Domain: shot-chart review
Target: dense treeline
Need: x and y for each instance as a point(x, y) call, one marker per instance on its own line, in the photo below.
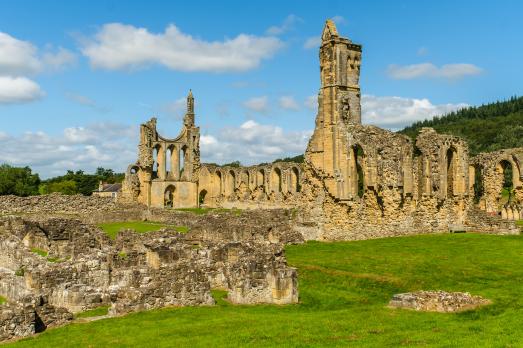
point(488, 127)
point(22, 182)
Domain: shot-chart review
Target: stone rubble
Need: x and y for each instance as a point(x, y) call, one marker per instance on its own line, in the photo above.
point(437, 301)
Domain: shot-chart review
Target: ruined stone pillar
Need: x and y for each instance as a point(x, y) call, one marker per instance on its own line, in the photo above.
point(175, 162)
point(161, 162)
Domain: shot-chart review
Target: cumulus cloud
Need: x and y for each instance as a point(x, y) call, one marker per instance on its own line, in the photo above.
point(119, 46)
point(429, 70)
point(252, 143)
point(257, 104)
point(18, 90)
point(17, 57)
point(288, 103)
point(20, 59)
point(288, 23)
point(397, 112)
point(104, 144)
point(312, 42)
point(311, 102)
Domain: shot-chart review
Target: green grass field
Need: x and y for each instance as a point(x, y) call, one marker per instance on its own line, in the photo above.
point(102, 310)
point(344, 291)
point(2, 300)
point(112, 228)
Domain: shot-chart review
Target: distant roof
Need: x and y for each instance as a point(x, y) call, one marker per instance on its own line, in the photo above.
point(110, 188)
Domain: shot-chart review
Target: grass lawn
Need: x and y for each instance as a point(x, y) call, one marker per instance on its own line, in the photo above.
point(96, 312)
point(519, 223)
point(344, 291)
point(2, 300)
point(112, 228)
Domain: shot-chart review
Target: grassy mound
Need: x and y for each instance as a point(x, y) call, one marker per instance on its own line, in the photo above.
point(344, 291)
point(112, 228)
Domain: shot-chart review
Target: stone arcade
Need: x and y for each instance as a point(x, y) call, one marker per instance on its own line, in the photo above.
point(357, 182)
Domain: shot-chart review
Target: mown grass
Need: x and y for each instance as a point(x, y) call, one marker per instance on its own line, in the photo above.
point(344, 291)
point(519, 223)
point(112, 228)
point(3, 300)
point(96, 312)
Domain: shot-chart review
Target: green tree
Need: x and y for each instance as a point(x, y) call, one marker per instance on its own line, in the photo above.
point(18, 181)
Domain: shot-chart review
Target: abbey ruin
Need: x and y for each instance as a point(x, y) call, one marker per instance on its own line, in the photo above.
point(358, 181)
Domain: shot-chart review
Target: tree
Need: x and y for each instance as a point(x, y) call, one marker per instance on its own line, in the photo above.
point(18, 181)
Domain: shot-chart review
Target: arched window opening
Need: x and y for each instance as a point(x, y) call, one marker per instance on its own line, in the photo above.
point(507, 189)
point(168, 162)
point(451, 171)
point(359, 157)
point(168, 199)
point(133, 170)
point(276, 180)
point(156, 150)
point(231, 183)
point(201, 197)
point(182, 155)
point(295, 180)
point(245, 178)
point(478, 184)
point(260, 178)
point(218, 184)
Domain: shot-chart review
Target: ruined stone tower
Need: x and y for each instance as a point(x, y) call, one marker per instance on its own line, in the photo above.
point(338, 108)
point(340, 61)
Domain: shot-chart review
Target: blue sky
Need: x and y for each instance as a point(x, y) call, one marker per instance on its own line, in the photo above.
point(78, 77)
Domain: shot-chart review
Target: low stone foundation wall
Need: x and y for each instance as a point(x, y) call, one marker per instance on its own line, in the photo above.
point(67, 266)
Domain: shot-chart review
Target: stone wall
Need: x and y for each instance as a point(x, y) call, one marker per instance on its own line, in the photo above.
point(490, 169)
point(267, 186)
point(67, 266)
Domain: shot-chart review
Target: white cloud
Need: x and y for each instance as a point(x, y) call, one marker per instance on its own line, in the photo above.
point(288, 103)
point(339, 19)
point(288, 23)
point(18, 90)
point(311, 102)
point(449, 71)
point(252, 143)
point(257, 104)
point(103, 144)
point(397, 112)
point(59, 60)
point(119, 46)
point(312, 42)
point(17, 57)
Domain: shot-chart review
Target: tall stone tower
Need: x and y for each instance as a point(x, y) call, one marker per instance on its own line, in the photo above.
point(338, 109)
point(340, 61)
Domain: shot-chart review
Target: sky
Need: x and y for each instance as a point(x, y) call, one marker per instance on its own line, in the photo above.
point(78, 77)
